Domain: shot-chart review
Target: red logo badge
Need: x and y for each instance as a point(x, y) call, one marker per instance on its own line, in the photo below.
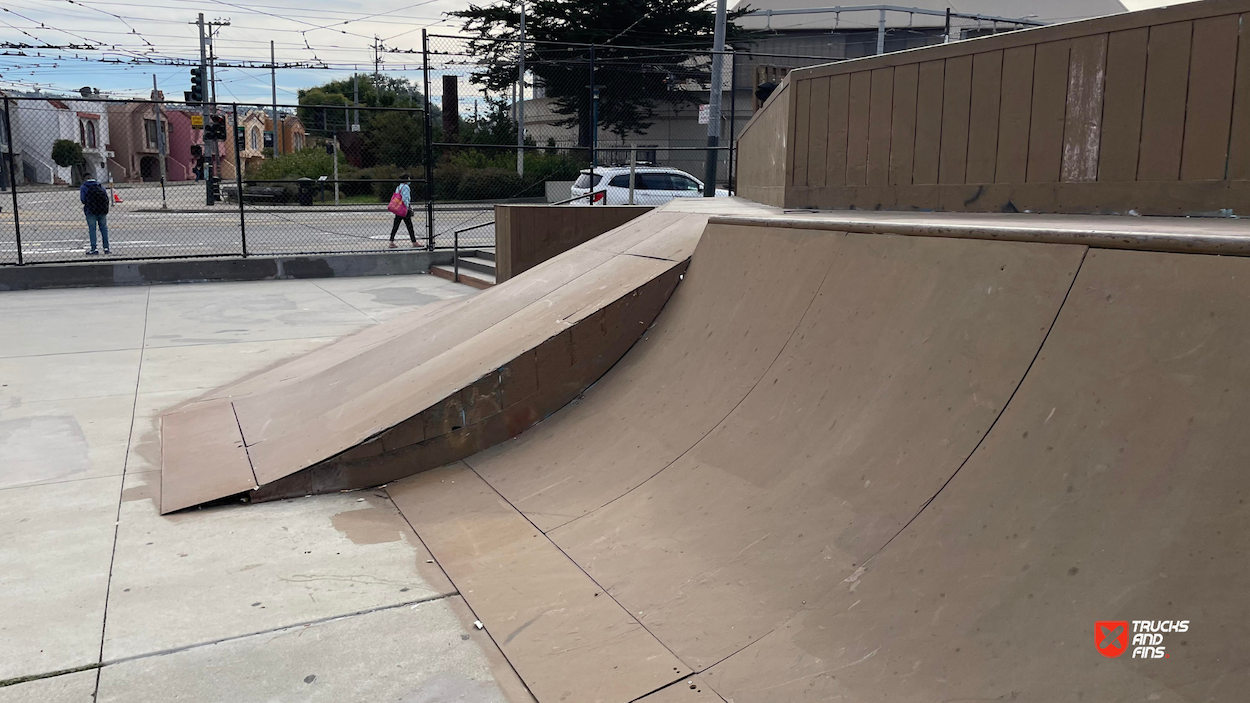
point(1111, 637)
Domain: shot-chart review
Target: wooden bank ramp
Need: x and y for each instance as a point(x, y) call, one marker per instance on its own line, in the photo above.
point(435, 385)
point(852, 465)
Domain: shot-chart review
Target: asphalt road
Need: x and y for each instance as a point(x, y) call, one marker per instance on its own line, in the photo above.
point(53, 227)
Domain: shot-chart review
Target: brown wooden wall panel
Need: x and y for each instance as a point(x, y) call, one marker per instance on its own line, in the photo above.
point(1209, 109)
point(1082, 123)
point(1050, 90)
point(1239, 140)
point(956, 99)
point(928, 122)
point(818, 124)
point(1015, 114)
point(1163, 115)
point(881, 105)
point(839, 114)
point(903, 124)
point(857, 129)
point(802, 131)
point(1122, 105)
point(987, 81)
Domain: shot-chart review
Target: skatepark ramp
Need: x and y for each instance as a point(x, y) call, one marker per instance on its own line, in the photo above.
point(850, 464)
point(436, 385)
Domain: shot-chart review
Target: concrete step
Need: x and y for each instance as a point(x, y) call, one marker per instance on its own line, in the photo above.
point(474, 263)
point(488, 254)
point(475, 279)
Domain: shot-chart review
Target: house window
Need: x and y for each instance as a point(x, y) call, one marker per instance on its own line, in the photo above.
point(87, 133)
point(255, 140)
point(149, 133)
point(299, 140)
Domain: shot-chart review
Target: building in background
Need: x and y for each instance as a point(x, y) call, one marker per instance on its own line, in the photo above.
point(40, 122)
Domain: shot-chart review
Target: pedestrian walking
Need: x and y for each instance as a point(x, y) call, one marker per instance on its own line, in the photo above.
point(95, 205)
point(401, 207)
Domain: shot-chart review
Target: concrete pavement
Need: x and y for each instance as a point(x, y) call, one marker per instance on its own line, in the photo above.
point(326, 598)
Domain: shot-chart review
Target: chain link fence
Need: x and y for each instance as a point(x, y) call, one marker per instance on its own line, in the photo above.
point(611, 124)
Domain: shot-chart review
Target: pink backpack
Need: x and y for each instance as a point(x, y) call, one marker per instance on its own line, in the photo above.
point(397, 205)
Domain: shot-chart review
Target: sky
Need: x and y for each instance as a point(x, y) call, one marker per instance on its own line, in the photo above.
point(335, 35)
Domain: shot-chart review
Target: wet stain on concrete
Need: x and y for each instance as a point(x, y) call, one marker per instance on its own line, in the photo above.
point(449, 686)
point(42, 448)
point(371, 525)
point(401, 295)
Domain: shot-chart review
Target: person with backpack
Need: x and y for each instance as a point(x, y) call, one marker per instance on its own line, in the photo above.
point(95, 205)
point(401, 207)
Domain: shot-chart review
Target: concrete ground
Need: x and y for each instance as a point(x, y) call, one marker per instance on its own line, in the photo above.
point(328, 598)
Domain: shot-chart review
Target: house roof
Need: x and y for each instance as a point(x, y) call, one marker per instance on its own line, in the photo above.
point(58, 104)
point(1049, 12)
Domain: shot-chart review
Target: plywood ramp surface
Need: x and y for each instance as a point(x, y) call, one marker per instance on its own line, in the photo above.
point(383, 403)
point(567, 639)
point(899, 365)
point(1113, 487)
point(741, 301)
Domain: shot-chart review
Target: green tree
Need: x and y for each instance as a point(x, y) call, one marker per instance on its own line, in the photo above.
point(634, 82)
point(385, 91)
point(67, 153)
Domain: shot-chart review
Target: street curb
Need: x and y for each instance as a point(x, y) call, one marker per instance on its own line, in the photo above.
point(142, 273)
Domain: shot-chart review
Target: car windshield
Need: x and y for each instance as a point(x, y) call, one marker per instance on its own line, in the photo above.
point(585, 180)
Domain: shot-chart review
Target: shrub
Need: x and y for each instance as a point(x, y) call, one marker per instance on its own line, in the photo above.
point(66, 153)
point(311, 162)
point(488, 184)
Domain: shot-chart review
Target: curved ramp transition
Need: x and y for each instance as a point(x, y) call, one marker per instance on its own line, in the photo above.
point(874, 467)
point(433, 386)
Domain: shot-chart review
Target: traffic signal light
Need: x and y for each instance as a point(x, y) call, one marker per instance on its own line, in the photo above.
point(240, 142)
point(195, 96)
point(216, 128)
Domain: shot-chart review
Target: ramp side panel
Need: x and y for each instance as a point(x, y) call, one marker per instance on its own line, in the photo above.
point(1114, 487)
point(566, 638)
point(908, 353)
point(742, 298)
point(282, 414)
point(502, 403)
point(337, 414)
point(202, 456)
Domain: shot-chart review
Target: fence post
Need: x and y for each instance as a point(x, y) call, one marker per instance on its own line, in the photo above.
point(429, 144)
point(733, 110)
point(17, 225)
point(238, 179)
point(594, 119)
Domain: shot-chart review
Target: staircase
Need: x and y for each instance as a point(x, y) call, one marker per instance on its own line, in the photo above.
point(477, 268)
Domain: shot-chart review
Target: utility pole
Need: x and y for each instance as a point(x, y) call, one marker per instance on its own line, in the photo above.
point(520, 103)
point(210, 150)
point(273, 83)
point(208, 107)
point(161, 147)
point(356, 100)
point(713, 119)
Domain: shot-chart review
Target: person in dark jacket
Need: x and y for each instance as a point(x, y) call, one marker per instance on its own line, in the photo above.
point(95, 205)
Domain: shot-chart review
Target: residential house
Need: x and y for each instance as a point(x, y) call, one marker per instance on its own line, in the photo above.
point(183, 140)
point(38, 123)
point(135, 146)
point(5, 166)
